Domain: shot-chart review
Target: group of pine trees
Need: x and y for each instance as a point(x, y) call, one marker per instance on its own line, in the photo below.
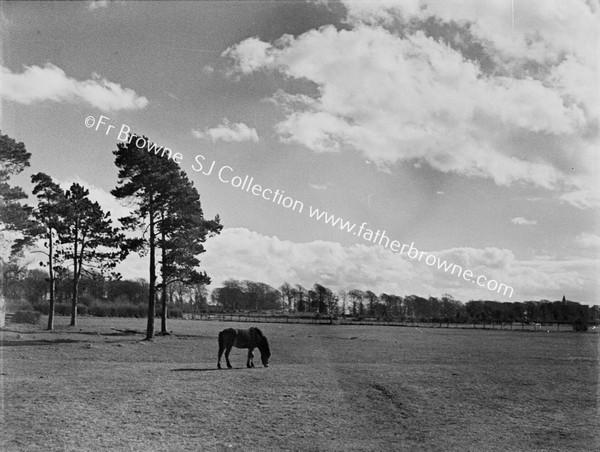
point(167, 224)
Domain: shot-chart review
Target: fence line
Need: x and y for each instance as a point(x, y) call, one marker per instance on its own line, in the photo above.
point(242, 318)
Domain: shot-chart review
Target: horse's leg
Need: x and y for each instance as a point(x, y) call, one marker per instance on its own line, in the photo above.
point(250, 362)
point(221, 349)
point(227, 351)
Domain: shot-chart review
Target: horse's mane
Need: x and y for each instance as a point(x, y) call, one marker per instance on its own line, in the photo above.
point(259, 332)
point(261, 336)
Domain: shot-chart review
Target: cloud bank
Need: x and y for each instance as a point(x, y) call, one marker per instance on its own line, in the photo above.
point(243, 254)
point(451, 84)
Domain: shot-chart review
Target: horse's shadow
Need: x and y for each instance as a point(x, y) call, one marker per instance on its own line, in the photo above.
point(206, 369)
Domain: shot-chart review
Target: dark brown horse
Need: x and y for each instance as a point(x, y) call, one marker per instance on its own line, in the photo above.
point(251, 338)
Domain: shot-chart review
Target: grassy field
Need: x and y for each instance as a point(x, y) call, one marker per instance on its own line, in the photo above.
point(328, 388)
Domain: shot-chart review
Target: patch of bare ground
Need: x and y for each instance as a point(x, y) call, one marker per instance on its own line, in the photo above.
point(100, 387)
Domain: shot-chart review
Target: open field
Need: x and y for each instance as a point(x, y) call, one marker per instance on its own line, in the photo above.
point(93, 388)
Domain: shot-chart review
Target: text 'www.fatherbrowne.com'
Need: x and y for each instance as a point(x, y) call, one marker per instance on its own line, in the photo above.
point(227, 175)
point(380, 238)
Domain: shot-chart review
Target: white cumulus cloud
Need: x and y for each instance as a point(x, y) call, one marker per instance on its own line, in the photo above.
point(227, 131)
point(522, 221)
point(96, 4)
point(588, 240)
point(50, 83)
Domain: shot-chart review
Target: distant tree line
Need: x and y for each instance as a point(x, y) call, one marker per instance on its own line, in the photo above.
point(247, 296)
point(237, 296)
point(27, 289)
point(117, 297)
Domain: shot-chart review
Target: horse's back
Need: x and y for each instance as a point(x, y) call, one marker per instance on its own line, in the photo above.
point(227, 332)
point(239, 338)
point(243, 339)
point(226, 336)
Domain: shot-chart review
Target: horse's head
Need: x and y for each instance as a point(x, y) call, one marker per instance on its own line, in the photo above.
point(264, 356)
point(263, 346)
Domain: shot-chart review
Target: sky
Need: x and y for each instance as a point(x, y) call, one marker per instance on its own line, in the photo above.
point(467, 130)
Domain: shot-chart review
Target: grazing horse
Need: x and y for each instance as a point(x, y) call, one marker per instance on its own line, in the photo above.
point(249, 339)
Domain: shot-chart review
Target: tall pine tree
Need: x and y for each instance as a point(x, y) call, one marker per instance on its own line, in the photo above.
point(182, 232)
point(89, 238)
point(45, 223)
point(167, 213)
point(14, 158)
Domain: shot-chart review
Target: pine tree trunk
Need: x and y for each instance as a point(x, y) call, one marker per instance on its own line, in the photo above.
point(51, 308)
point(152, 288)
point(163, 314)
point(2, 299)
point(74, 301)
point(52, 281)
point(75, 286)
